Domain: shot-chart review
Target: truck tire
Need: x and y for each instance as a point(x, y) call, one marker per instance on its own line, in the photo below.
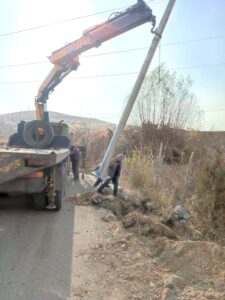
point(38, 134)
point(39, 201)
point(59, 195)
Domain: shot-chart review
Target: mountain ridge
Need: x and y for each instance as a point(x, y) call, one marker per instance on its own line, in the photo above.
point(9, 121)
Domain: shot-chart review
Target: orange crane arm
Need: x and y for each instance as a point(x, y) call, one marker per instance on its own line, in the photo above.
point(66, 58)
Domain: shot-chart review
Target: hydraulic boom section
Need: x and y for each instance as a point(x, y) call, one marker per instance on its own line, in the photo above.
point(117, 24)
point(66, 58)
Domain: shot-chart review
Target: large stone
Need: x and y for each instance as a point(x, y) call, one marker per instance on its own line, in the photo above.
point(174, 281)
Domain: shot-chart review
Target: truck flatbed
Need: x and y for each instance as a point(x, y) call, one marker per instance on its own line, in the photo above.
point(19, 162)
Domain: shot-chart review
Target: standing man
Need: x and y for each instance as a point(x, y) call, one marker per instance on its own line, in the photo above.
point(75, 160)
point(114, 171)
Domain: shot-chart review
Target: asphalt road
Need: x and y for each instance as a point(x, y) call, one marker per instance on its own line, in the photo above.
point(35, 250)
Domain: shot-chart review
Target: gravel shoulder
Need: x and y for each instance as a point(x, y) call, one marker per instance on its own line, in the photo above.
point(90, 232)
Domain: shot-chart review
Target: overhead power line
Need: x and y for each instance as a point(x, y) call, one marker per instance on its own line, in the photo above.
point(114, 74)
point(119, 51)
point(24, 64)
point(57, 23)
point(194, 40)
point(80, 77)
point(63, 21)
point(198, 66)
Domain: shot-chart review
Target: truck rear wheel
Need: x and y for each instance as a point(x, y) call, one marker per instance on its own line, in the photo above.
point(38, 134)
point(39, 201)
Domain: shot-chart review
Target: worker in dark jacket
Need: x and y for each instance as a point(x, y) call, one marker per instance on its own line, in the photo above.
point(114, 171)
point(75, 160)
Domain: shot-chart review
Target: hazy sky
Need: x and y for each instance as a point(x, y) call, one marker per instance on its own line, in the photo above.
point(193, 44)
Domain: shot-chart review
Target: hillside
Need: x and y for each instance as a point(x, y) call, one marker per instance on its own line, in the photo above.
point(198, 141)
point(8, 122)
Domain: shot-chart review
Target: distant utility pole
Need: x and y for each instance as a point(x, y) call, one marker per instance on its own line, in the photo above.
point(137, 86)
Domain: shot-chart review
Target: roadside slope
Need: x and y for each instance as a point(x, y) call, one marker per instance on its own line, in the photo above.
point(114, 263)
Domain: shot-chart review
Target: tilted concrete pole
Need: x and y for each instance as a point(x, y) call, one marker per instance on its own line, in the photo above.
point(101, 172)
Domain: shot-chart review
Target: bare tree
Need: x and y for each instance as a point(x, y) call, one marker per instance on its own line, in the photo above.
point(164, 108)
point(166, 99)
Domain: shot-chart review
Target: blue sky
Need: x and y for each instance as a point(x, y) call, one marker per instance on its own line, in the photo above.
point(193, 44)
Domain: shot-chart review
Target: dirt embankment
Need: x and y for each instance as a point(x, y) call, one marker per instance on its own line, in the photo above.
point(127, 253)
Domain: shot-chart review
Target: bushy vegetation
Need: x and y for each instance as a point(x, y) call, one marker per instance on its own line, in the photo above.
point(167, 185)
point(208, 204)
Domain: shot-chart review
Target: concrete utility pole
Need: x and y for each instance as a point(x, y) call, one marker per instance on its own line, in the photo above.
point(101, 173)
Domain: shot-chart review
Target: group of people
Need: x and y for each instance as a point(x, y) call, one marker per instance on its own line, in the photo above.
point(114, 170)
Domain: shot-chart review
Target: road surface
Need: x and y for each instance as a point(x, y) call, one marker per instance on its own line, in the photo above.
point(35, 250)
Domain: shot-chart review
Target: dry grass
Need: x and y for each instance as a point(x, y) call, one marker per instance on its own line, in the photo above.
point(166, 186)
point(162, 183)
point(208, 204)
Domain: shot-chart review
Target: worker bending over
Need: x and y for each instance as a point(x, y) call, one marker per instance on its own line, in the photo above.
point(114, 171)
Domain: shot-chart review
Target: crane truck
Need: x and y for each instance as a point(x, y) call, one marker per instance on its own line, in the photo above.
point(35, 159)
